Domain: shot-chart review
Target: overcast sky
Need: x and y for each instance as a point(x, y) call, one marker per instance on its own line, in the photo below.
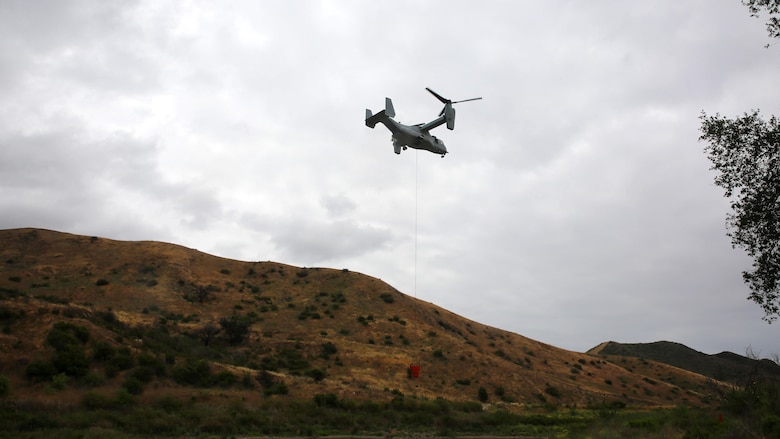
point(576, 205)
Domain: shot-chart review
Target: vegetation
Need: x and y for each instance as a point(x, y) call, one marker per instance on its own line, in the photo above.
point(123, 414)
point(746, 153)
point(772, 8)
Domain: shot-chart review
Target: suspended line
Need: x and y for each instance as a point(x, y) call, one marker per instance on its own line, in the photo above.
point(415, 223)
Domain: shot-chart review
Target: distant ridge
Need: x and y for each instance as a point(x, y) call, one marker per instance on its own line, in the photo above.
point(725, 366)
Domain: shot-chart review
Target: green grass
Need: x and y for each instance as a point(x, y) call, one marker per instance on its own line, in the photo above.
point(121, 415)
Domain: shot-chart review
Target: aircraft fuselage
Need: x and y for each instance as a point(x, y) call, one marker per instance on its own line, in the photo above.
point(413, 136)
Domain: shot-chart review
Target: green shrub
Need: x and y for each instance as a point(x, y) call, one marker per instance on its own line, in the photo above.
point(60, 381)
point(235, 329)
point(552, 391)
point(143, 374)
point(5, 386)
point(102, 351)
point(133, 385)
point(278, 388)
point(327, 349)
point(326, 400)
point(151, 362)
point(316, 374)
point(225, 379)
point(71, 360)
point(93, 379)
point(168, 403)
point(96, 401)
point(123, 359)
point(40, 370)
point(194, 373)
point(63, 334)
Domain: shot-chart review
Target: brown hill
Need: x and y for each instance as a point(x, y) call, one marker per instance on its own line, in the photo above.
point(311, 331)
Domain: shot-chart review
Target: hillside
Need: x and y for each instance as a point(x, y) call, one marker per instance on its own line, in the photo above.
point(310, 331)
point(725, 366)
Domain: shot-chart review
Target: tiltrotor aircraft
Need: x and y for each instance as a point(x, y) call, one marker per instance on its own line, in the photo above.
point(416, 136)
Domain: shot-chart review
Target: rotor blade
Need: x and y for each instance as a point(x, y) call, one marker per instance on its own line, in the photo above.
point(466, 100)
point(438, 96)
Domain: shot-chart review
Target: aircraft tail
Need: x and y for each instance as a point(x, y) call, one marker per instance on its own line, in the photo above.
point(372, 119)
point(389, 110)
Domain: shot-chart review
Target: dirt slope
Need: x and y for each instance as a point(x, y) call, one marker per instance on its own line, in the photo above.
point(360, 332)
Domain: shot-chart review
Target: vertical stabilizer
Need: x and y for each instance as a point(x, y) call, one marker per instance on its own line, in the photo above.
point(389, 110)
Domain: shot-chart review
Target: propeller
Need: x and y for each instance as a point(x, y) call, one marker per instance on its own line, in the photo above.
point(448, 111)
point(446, 101)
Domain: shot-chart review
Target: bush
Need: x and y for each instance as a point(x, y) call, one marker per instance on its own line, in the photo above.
point(327, 349)
point(194, 373)
point(326, 400)
point(143, 374)
point(123, 359)
point(72, 361)
point(316, 374)
point(63, 333)
point(235, 329)
point(59, 381)
point(5, 386)
point(101, 282)
point(102, 351)
point(552, 391)
point(93, 379)
point(168, 403)
point(225, 379)
point(96, 401)
point(149, 361)
point(278, 388)
point(40, 370)
point(70, 358)
point(133, 385)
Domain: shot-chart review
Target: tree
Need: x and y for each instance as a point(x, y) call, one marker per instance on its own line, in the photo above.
point(236, 329)
point(746, 153)
point(772, 7)
point(207, 333)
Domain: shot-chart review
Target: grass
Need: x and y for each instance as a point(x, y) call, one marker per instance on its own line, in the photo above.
point(124, 415)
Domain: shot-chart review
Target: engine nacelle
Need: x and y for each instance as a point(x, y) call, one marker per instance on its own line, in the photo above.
point(449, 116)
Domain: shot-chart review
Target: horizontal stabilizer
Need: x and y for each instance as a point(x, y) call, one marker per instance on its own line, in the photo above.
point(371, 120)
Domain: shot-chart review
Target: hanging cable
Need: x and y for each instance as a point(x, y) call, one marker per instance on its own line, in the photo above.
point(415, 224)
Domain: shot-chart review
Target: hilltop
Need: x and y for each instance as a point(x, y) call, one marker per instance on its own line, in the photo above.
point(270, 330)
point(725, 366)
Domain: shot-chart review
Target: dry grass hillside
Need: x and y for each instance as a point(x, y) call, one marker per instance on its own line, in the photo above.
point(314, 330)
